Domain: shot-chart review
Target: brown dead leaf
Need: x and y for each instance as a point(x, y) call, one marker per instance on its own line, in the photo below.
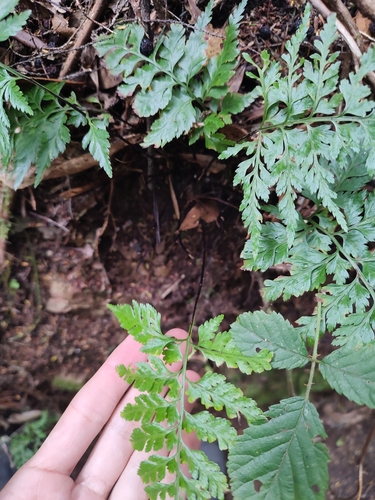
point(215, 42)
point(236, 81)
point(61, 25)
point(207, 210)
point(363, 23)
point(233, 132)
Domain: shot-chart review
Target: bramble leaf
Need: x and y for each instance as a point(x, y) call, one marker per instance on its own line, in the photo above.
point(256, 331)
point(356, 380)
point(274, 454)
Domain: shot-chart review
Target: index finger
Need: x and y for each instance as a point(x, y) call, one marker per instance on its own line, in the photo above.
point(89, 410)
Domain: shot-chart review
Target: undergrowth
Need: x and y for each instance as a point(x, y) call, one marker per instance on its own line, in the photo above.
point(27, 441)
point(314, 149)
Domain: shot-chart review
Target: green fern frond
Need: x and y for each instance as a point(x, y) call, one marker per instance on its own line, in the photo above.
point(162, 419)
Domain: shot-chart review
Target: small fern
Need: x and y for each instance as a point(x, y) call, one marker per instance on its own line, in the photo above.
point(36, 128)
point(178, 82)
point(10, 25)
point(310, 120)
point(151, 409)
point(35, 123)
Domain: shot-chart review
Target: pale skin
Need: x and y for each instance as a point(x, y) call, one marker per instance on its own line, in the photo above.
point(111, 469)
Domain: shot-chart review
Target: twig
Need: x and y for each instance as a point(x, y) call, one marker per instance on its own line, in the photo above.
point(172, 287)
point(360, 463)
point(83, 35)
point(174, 198)
point(100, 231)
point(50, 221)
point(30, 40)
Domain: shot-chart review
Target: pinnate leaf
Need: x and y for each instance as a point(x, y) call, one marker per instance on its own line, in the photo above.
point(143, 322)
point(207, 476)
point(178, 118)
point(151, 377)
point(147, 406)
point(97, 142)
point(210, 428)
point(222, 349)
point(153, 436)
point(11, 25)
point(155, 467)
point(274, 454)
point(214, 392)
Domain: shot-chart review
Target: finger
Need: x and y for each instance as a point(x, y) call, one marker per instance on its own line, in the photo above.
point(87, 413)
point(130, 482)
point(113, 448)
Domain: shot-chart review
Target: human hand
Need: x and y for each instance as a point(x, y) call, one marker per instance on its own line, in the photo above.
point(110, 472)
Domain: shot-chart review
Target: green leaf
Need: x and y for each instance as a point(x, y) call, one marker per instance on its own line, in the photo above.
point(155, 468)
point(222, 349)
point(149, 101)
point(206, 475)
point(97, 141)
point(147, 406)
point(214, 392)
point(178, 118)
point(195, 50)
point(275, 453)
point(153, 436)
point(143, 322)
point(210, 428)
point(151, 377)
point(346, 375)
point(161, 491)
point(40, 140)
point(11, 25)
point(256, 331)
point(9, 93)
point(272, 248)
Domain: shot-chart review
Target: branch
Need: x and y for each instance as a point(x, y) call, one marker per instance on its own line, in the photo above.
point(82, 37)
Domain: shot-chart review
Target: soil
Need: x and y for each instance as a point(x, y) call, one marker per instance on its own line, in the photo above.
point(80, 242)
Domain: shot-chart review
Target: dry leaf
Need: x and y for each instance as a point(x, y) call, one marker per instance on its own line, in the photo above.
point(207, 210)
point(215, 42)
point(234, 132)
point(236, 81)
point(363, 23)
